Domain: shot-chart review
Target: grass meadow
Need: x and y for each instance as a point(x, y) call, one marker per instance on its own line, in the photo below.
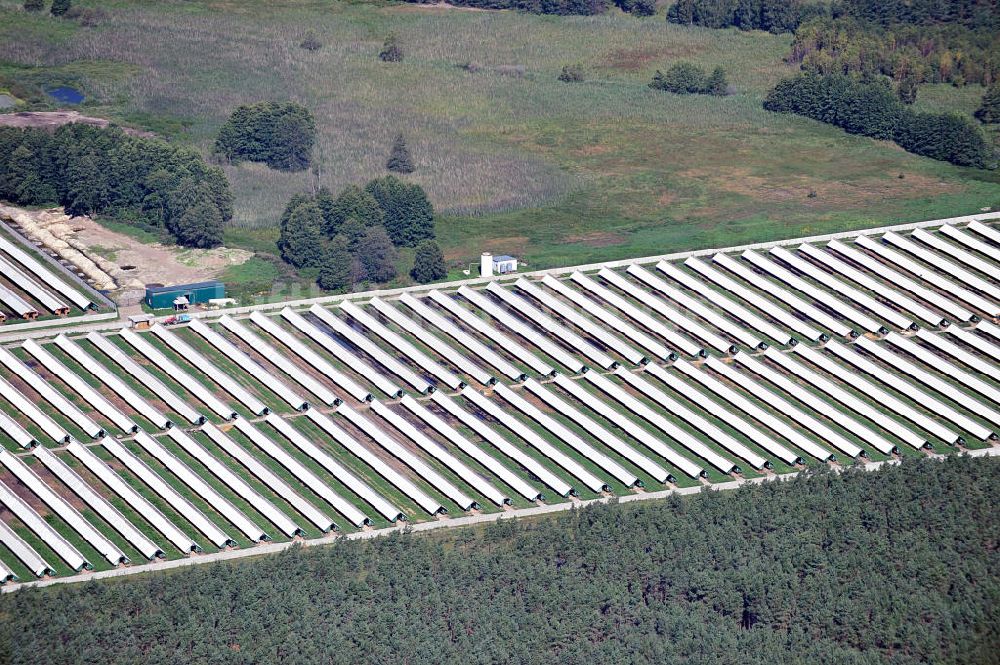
point(514, 160)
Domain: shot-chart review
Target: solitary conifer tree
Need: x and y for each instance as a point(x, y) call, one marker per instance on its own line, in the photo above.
point(428, 263)
point(989, 111)
point(399, 157)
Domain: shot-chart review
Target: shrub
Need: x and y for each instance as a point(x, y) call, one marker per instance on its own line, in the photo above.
point(391, 50)
point(685, 78)
point(60, 7)
point(571, 73)
point(311, 42)
point(34, 5)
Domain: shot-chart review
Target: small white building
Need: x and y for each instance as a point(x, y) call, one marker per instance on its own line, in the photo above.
point(490, 265)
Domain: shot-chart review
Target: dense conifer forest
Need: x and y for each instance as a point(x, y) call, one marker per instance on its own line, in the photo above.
point(140, 181)
point(896, 566)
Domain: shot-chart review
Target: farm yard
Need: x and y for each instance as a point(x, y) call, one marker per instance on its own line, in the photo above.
point(513, 159)
point(724, 389)
point(357, 414)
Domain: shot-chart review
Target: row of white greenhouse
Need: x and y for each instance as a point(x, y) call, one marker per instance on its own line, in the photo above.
point(28, 282)
point(242, 429)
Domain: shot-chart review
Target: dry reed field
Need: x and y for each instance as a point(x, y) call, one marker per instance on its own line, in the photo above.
point(515, 160)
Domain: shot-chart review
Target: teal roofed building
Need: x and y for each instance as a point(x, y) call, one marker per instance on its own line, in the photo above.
point(174, 297)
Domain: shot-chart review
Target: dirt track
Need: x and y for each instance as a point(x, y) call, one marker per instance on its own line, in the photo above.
point(53, 119)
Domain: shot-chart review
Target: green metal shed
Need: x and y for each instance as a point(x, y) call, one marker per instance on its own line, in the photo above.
point(163, 297)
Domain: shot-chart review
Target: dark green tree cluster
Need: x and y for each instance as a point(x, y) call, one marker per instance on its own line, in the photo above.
point(278, 134)
point(969, 13)
point(891, 567)
point(637, 7)
point(140, 181)
point(685, 78)
point(786, 15)
point(558, 7)
point(352, 237)
point(871, 108)
point(924, 54)
point(772, 15)
point(34, 5)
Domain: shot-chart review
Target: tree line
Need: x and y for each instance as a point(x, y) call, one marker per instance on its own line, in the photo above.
point(352, 237)
point(869, 107)
point(560, 7)
point(912, 53)
point(787, 15)
point(140, 181)
point(890, 567)
point(920, 41)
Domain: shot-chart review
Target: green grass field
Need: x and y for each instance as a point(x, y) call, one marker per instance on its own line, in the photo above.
point(514, 160)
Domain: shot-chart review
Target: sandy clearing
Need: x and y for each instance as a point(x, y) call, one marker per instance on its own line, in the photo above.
point(53, 119)
point(121, 262)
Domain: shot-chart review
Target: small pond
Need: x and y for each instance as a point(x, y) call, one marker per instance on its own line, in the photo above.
point(66, 95)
